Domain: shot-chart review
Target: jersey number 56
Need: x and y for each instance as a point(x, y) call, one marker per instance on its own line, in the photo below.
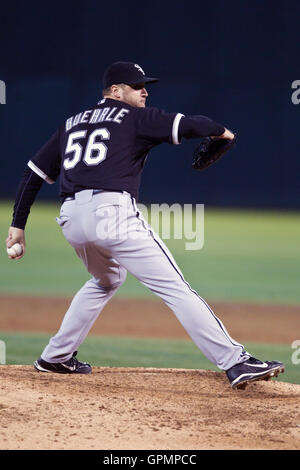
point(95, 152)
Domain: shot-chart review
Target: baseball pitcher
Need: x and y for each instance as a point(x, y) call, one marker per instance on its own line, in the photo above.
point(98, 156)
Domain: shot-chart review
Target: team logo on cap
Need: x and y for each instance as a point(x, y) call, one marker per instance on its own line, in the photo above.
point(139, 69)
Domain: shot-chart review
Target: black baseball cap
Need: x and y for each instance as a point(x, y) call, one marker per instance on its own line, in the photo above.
point(125, 72)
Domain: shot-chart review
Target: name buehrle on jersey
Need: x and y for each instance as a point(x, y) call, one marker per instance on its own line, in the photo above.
point(94, 116)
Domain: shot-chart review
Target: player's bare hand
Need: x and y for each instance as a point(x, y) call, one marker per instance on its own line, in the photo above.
point(16, 235)
point(227, 135)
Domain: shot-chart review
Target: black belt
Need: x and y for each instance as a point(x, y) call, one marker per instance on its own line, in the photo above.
point(71, 197)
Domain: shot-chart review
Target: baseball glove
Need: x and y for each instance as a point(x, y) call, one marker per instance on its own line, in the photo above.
point(210, 150)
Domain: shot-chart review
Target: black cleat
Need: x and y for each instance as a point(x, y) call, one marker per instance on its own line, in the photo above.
point(72, 366)
point(252, 370)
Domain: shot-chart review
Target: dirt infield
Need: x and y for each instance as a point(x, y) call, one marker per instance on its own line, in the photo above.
point(123, 408)
point(152, 318)
point(116, 408)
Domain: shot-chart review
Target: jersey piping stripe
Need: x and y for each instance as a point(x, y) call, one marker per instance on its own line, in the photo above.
point(39, 172)
point(175, 128)
point(138, 215)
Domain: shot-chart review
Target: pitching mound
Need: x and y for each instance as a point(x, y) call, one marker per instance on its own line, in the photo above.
point(121, 408)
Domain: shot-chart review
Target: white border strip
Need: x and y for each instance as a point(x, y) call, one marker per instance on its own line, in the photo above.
point(175, 128)
point(39, 172)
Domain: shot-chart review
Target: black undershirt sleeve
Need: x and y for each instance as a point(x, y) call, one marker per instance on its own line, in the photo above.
point(191, 127)
point(28, 189)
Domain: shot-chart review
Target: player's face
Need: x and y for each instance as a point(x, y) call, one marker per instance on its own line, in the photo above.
point(135, 95)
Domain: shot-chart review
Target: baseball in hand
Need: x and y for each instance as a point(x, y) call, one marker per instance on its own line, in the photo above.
point(15, 250)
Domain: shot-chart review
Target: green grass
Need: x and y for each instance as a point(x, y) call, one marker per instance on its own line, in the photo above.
point(247, 256)
point(24, 348)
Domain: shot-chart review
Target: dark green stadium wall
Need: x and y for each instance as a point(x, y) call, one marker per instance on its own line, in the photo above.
point(234, 61)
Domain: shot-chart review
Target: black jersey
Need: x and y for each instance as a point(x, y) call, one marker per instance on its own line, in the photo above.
point(104, 147)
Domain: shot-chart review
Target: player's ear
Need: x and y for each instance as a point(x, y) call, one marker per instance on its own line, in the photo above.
point(116, 91)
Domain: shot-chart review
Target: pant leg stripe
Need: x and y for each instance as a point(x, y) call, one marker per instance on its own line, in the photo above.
point(138, 215)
